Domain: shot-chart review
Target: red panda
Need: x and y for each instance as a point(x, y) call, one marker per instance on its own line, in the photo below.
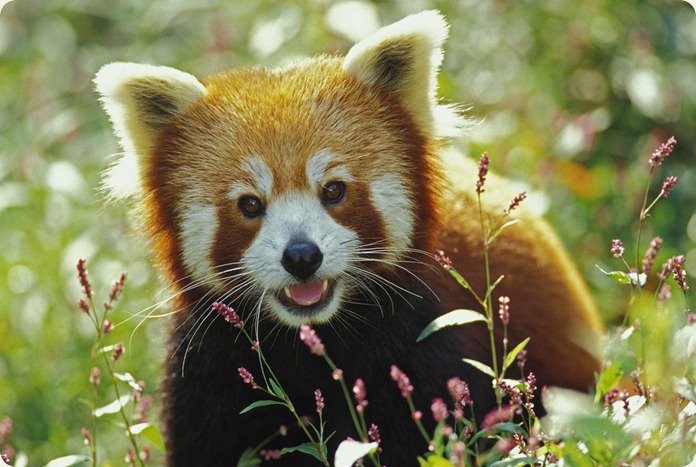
point(312, 194)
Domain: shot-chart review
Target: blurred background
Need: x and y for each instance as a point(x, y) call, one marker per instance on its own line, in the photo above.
point(570, 96)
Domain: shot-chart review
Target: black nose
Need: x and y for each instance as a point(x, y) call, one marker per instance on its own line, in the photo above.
point(302, 258)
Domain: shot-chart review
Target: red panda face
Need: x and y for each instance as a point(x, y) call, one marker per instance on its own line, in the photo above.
point(291, 190)
point(294, 209)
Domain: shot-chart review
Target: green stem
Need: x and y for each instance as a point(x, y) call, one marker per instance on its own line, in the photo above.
point(349, 401)
point(93, 443)
point(420, 426)
point(643, 214)
point(488, 306)
point(359, 422)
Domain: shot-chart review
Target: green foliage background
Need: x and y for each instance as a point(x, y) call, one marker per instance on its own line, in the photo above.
point(571, 96)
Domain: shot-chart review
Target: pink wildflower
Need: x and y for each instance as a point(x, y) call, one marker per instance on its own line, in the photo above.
point(130, 456)
point(87, 437)
point(668, 185)
point(660, 154)
point(617, 248)
point(439, 409)
point(651, 254)
point(402, 381)
point(95, 376)
point(373, 433)
point(482, 172)
point(6, 426)
point(229, 314)
point(441, 258)
point(505, 445)
point(138, 391)
point(360, 395)
point(270, 454)
point(84, 280)
point(319, 399)
point(311, 340)
point(496, 416)
point(460, 392)
point(504, 310)
point(83, 305)
point(417, 416)
point(117, 288)
point(247, 377)
point(145, 454)
point(664, 295)
point(515, 202)
point(144, 408)
point(669, 265)
point(680, 276)
point(522, 359)
point(118, 351)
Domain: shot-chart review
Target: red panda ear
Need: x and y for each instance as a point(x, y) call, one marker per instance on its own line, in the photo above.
point(405, 58)
point(141, 100)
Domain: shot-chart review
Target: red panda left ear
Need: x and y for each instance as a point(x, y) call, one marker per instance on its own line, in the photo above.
point(404, 58)
point(141, 100)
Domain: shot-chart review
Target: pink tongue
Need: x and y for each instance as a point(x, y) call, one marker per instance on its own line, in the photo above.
point(307, 293)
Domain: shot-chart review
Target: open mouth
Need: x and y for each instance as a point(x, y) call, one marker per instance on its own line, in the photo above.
point(306, 296)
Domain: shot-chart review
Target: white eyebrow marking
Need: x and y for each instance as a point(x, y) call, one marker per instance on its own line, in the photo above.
point(318, 172)
point(262, 179)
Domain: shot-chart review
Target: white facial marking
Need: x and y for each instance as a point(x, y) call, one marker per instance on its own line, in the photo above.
point(318, 171)
point(292, 216)
point(262, 180)
point(397, 210)
point(199, 223)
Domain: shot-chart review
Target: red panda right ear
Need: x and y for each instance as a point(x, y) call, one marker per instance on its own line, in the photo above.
point(404, 58)
point(140, 101)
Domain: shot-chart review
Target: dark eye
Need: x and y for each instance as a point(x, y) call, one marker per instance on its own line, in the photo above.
point(333, 192)
point(251, 206)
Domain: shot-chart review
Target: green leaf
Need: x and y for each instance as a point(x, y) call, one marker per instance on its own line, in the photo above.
point(508, 427)
point(276, 389)
point(510, 359)
point(306, 448)
point(624, 278)
point(262, 403)
point(70, 461)
point(249, 458)
point(114, 407)
point(482, 367)
point(434, 460)
point(460, 279)
point(501, 229)
point(151, 433)
point(523, 460)
point(608, 379)
point(453, 318)
point(601, 434)
point(492, 287)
